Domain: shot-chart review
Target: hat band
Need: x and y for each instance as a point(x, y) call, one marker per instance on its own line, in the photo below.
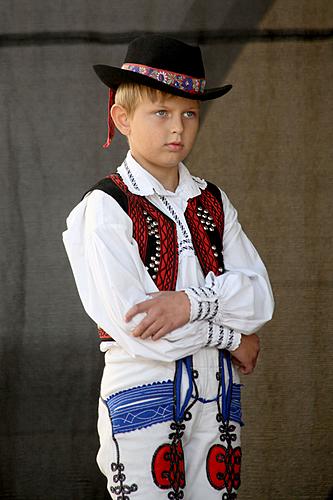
point(177, 80)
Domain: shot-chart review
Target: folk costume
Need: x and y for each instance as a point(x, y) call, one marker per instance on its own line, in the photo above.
point(169, 413)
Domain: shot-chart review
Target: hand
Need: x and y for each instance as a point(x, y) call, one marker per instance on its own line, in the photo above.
point(166, 311)
point(246, 355)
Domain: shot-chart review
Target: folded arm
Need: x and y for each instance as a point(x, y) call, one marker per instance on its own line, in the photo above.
point(241, 298)
point(111, 279)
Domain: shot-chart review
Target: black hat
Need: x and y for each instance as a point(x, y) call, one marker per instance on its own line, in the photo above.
point(162, 63)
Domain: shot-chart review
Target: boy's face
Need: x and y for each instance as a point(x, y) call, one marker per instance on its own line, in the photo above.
point(162, 133)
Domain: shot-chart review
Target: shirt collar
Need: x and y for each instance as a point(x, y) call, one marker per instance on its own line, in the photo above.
point(140, 181)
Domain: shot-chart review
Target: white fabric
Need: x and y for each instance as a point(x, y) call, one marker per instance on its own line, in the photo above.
point(136, 448)
point(111, 277)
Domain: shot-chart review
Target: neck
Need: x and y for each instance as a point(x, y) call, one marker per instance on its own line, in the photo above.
point(167, 176)
point(169, 180)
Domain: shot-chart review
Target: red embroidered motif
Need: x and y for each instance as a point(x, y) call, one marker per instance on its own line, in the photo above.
point(210, 259)
point(103, 335)
point(166, 275)
point(168, 466)
point(223, 467)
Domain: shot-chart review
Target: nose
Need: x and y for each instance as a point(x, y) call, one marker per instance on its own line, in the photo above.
point(177, 124)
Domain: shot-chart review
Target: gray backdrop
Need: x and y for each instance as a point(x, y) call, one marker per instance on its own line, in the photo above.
point(268, 144)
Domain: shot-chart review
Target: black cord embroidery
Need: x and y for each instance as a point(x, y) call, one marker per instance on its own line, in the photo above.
point(223, 461)
point(168, 463)
point(122, 490)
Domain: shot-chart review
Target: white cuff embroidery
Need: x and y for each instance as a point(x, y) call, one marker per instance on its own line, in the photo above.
point(222, 337)
point(204, 303)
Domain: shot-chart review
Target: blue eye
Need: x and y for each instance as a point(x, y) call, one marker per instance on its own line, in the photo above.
point(190, 114)
point(161, 112)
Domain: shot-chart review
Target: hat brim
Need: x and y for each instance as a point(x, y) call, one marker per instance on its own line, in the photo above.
point(112, 77)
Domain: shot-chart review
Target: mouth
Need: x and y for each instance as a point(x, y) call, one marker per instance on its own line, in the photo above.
point(175, 146)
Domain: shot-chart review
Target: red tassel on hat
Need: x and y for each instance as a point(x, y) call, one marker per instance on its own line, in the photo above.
point(111, 127)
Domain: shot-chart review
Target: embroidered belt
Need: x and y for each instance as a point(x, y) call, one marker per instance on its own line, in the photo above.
point(140, 407)
point(146, 405)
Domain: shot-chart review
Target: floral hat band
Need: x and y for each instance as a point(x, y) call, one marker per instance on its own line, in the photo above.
point(178, 80)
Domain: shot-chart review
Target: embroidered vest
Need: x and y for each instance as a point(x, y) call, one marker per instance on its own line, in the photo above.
point(156, 233)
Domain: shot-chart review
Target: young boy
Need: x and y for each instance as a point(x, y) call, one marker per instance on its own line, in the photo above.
point(173, 283)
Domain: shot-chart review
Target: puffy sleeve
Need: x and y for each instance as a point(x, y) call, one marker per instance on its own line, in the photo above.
point(111, 277)
point(242, 297)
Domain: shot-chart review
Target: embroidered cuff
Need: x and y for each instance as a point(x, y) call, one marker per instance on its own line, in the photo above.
point(204, 303)
point(222, 337)
point(234, 340)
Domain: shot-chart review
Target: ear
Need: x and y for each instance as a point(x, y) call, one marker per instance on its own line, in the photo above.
point(121, 119)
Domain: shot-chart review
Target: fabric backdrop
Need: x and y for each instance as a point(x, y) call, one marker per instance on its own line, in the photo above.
point(268, 144)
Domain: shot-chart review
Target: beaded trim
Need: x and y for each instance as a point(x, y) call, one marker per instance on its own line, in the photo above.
point(178, 80)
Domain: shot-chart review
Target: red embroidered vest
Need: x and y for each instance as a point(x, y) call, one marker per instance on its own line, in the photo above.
point(156, 233)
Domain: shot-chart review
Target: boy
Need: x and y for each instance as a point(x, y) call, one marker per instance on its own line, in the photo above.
point(164, 269)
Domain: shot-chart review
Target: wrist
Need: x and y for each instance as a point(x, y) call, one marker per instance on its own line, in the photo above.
point(186, 303)
point(234, 341)
point(203, 303)
point(222, 337)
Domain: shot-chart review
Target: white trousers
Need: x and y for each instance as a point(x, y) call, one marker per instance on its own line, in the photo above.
point(167, 430)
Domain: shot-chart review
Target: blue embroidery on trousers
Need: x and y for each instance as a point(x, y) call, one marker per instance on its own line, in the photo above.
point(146, 405)
point(140, 407)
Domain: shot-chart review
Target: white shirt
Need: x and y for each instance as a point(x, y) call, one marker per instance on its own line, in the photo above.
point(111, 277)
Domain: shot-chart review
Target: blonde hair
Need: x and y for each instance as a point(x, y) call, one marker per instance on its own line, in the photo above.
point(129, 95)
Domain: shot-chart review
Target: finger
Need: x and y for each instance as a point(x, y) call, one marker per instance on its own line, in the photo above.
point(247, 369)
point(151, 331)
point(142, 326)
point(236, 362)
point(136, 309)
point(161, 333)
